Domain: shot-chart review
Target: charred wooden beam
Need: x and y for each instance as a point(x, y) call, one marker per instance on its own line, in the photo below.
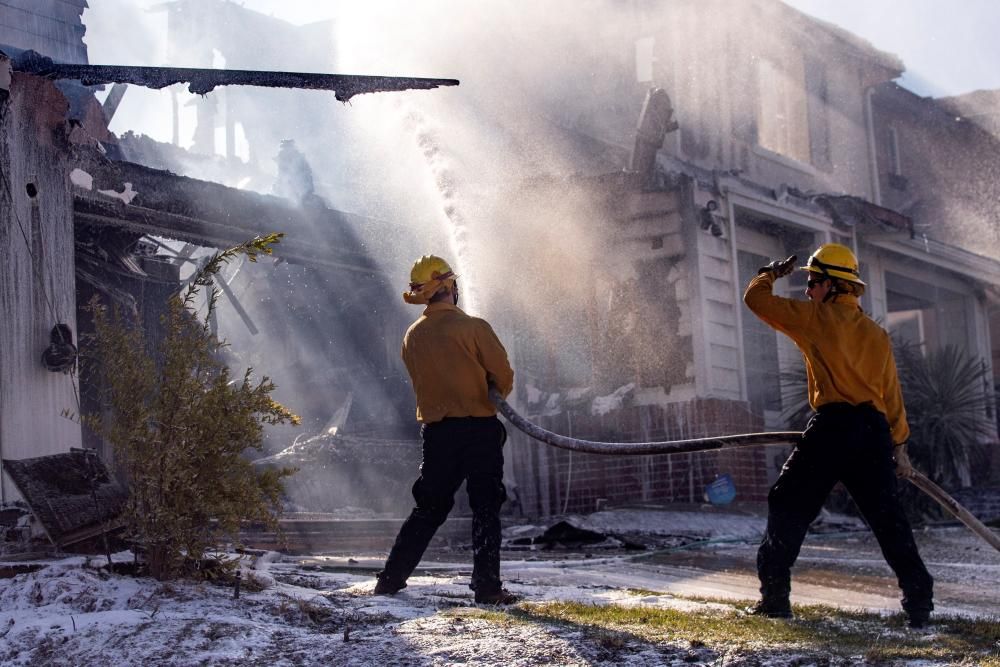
point(189, 197)
point(656, 120)
point(848, 211)
point(102, 211)
point(201, 81)
point(112, 101)
point(211, 214)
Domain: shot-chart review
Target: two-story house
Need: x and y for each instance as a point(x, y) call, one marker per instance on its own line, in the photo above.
point(780, 148)
point(612, 266)
point(79, 217)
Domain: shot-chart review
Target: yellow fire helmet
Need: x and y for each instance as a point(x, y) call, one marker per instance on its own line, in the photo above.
point(429, 274)
point(834, 260)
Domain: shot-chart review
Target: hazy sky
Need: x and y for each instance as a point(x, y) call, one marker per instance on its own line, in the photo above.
point(948, 46)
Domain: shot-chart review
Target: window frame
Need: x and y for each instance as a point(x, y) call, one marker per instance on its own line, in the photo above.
point(782, 113)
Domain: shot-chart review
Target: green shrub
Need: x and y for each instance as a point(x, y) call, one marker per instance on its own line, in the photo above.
point(179, 424)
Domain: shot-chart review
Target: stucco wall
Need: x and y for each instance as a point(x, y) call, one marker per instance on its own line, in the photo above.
point(36, 274)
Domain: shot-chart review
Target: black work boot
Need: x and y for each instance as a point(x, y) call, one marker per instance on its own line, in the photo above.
point(385, 587)
point(918, 618)
point(498, 597)
point(918, 612)
point(771, 608)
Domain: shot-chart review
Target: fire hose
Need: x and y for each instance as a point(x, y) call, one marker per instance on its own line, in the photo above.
point(688, 445)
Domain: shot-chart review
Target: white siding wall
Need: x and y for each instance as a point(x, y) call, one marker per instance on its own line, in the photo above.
point(34, 284)
point(718, 317)
point(52, 27)
point(875, 292)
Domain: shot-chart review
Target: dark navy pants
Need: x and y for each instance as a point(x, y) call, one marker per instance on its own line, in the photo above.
point(850, 444)
point(468, 449)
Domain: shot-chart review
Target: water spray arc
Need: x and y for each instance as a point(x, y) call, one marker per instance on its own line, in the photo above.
point(536, 432)
point(444, 181)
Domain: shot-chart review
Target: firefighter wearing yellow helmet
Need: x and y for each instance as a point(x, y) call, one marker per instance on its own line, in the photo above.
point(452, 359)
point(837, 263)
point(857, 435)
point(429, 275)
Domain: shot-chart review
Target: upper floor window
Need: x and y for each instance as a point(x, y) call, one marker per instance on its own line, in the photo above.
point(894, 160)
point(782, 114)
point(892, 148)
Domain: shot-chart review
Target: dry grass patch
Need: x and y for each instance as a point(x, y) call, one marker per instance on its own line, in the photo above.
point(815, 629)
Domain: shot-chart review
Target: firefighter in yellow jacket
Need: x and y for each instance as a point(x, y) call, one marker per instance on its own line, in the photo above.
point(452, 359)
point(857, 435)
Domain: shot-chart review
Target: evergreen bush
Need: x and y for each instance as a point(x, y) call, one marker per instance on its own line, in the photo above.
point(180, 423)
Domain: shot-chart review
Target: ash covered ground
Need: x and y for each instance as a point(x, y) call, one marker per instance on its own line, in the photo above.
point(318, 609)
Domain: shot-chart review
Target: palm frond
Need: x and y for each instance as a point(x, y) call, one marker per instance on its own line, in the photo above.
point(795, 408)
point(947, 399)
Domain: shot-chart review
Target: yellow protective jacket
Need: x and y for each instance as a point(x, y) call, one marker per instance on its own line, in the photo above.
point(451, 358)
point(848, 356)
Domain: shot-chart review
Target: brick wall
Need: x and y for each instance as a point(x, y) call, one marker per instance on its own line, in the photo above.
point(983, 502)
point(553, 481)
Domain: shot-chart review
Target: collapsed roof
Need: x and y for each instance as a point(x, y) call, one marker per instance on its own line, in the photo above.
point(72, 494)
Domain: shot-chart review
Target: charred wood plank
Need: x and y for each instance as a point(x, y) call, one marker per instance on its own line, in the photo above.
point(201, 81)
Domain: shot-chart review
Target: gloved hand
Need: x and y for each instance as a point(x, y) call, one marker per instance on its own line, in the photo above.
point(780, 267)
point(904, 469)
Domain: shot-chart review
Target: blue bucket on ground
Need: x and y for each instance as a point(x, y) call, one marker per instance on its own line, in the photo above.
point(722, 491)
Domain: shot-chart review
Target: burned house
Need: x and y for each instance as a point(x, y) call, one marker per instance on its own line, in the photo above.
point(80, 219)
point(781, 145)
point(611, 260)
